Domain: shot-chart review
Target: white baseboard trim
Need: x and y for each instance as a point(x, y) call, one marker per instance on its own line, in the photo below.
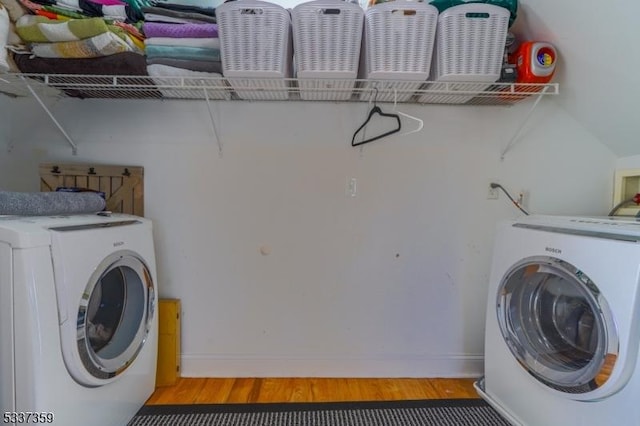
point(446, 365)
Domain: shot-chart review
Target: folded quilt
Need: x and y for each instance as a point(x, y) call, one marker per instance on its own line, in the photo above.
point(41, 29)
point(38, 29)
point(209, 43)
point(190, 91)
point(180, 52)
point(101, 45)
point(159, 29)
point(204, 66)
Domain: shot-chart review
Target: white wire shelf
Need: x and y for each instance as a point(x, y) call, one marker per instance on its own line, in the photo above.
point(212, 88)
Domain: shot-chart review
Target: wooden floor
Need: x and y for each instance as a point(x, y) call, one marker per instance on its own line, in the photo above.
point(244, 390)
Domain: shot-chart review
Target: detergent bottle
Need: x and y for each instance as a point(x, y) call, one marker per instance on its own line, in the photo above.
point(535, 62)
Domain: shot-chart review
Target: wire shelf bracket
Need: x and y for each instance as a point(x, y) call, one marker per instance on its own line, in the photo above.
point(213, 122)
point(526, 118)
point(74, 146)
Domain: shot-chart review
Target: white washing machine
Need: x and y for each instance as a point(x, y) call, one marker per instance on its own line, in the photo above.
point(563, 322)
point(77, 324)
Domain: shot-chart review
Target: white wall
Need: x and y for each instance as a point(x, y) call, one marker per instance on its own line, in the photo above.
point(631, 162)
point(388, 283)
point(599, 55)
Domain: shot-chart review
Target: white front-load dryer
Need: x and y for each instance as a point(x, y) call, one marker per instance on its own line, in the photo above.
point(563, 322)
point(77, 319)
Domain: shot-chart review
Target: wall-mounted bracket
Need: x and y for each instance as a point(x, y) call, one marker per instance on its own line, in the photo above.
point(213, 122)
point(516, 135)
point(74, 147)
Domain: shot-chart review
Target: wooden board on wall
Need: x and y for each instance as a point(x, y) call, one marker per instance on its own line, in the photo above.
point(123, 185)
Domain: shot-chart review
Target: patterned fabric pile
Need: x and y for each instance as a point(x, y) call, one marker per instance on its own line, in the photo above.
point(74, 38)
point(110, 37)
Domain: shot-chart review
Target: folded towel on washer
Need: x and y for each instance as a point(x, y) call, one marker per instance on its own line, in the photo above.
point(50, 203)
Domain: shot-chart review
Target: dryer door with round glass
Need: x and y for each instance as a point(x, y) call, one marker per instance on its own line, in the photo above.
point(557, 324)
point(114, 316)
point(104, 271)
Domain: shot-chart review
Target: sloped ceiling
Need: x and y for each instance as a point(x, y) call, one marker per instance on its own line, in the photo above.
point(598, 70)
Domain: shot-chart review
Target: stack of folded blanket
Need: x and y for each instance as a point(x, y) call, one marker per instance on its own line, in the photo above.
point(182, 41)
point(182, 34)
point(57, 36)
point(189, 46)
point(180, 11)
point(81, 46)
point(165, 40)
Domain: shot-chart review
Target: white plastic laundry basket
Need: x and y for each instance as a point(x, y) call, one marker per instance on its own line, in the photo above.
point(470, 43)
point(398, 45)
point(326, 37)
point(256, 43)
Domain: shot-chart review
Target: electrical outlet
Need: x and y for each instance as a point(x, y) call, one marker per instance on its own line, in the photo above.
point(493, 193)
point(352, 187)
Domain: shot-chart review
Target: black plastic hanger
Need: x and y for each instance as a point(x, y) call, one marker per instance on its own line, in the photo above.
point(376, 110)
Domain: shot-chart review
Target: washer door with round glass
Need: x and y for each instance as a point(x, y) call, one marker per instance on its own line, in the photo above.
point(558, 325)
point(114, 317)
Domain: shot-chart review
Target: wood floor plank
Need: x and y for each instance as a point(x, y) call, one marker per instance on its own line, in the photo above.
point(300, 390)
point(185, 391)
point(274, 390)
point(247, 390)
point(215, 391)
point(454, 388)
point(325, 389)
